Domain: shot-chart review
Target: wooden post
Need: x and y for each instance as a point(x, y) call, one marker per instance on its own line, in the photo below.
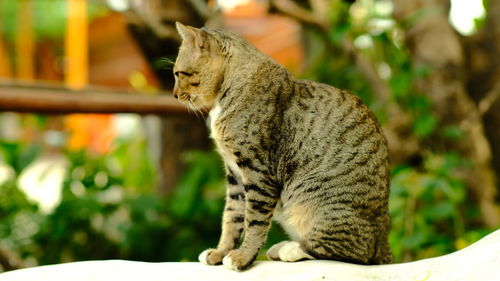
point(5, 69)
point(25, 43)
point(76, 45)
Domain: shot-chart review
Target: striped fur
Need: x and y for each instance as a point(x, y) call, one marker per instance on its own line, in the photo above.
point(310, 155)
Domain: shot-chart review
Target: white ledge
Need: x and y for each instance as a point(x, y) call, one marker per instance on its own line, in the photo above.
point(480, 261)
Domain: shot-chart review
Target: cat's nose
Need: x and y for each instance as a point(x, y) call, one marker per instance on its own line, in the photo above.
point(174, 91)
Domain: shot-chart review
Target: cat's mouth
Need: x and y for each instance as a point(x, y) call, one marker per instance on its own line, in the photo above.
point(186, 97)
point(194, 102)
point(191, 101)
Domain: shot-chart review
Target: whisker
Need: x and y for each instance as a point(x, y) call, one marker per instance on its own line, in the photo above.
point(195, 110)
point(190, 110)
point(200, 112)
point(190, 107)
point(204, 110)
point(164, 63)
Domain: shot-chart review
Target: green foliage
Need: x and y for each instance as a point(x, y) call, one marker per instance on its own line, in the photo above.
point(429, 209)
point(110, 208)
point(18, 218)
point(19, 155)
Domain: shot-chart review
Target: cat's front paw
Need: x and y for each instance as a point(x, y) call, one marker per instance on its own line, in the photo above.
point(211, 257)
point(238, 260)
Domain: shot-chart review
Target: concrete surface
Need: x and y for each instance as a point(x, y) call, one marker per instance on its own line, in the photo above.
point(480, 261)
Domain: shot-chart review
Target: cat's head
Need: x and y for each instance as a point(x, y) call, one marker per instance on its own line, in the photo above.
point(198, 69)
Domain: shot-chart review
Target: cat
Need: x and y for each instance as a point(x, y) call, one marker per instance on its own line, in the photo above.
point(309, 155)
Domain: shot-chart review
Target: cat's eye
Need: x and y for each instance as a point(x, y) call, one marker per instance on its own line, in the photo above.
point(177, 73)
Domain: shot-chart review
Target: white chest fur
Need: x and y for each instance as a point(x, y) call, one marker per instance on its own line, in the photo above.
point(227, 156)
point(214, 115)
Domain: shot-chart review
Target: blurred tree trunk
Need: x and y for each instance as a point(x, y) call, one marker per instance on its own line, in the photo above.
point(152, 24)
point(483, 69)
point(434, 44)
point(9, 260)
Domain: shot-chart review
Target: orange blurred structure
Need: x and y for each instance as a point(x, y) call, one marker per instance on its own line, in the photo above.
point(275, 35)
point(90, 131)
point(114, 55)
point(76, 45)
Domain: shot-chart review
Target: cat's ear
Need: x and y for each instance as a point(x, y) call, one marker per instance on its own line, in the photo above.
point(196, 36)
point(186, 33)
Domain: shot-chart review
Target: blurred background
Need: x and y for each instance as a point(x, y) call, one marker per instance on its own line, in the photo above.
point(98, 161)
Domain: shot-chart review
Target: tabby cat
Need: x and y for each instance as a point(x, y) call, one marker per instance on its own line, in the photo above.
point(309, 155)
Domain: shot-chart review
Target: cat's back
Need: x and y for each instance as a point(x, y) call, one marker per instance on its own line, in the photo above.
point(319, 109)
point(331, 130)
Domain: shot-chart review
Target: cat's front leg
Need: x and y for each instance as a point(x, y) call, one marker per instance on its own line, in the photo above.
point(260, 203)
point(232, 223)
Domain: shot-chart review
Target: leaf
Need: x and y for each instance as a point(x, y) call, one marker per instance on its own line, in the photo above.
point(338, 32)
point(439, 211)
point(425, 125)
point(400, 84)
